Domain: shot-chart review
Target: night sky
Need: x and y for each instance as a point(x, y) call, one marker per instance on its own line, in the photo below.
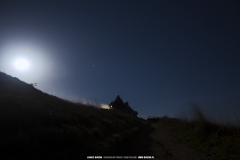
point(158, 55)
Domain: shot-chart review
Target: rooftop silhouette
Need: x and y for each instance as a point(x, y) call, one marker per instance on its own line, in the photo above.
point(118, 104)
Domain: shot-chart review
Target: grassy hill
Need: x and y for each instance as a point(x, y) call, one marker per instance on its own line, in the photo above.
point(36, 125)
point(218, 140)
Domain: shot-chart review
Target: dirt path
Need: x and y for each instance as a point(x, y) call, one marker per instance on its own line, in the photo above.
point(154, 141)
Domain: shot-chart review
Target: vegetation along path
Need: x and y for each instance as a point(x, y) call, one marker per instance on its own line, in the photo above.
point(155, 141)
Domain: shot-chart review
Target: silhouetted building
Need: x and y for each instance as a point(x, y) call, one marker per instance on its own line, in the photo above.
point(119, 105)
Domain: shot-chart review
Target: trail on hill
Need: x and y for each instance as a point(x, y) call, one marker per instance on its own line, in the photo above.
point(155, 141)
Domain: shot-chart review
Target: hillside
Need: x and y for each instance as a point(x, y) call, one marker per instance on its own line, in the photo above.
point(36, 125)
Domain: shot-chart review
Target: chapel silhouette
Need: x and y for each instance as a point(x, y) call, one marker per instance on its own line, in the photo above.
point(118, 104)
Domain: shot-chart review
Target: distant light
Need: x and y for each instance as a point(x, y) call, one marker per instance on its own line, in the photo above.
point(111, 106)
point(104, 106)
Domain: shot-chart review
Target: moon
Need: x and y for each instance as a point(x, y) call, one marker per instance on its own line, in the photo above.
point(21, 64)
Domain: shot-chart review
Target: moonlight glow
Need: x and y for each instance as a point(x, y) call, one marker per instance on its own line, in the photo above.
point(21, 64)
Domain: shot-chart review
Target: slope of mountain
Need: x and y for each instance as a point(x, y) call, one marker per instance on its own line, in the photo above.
point(35, 125)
